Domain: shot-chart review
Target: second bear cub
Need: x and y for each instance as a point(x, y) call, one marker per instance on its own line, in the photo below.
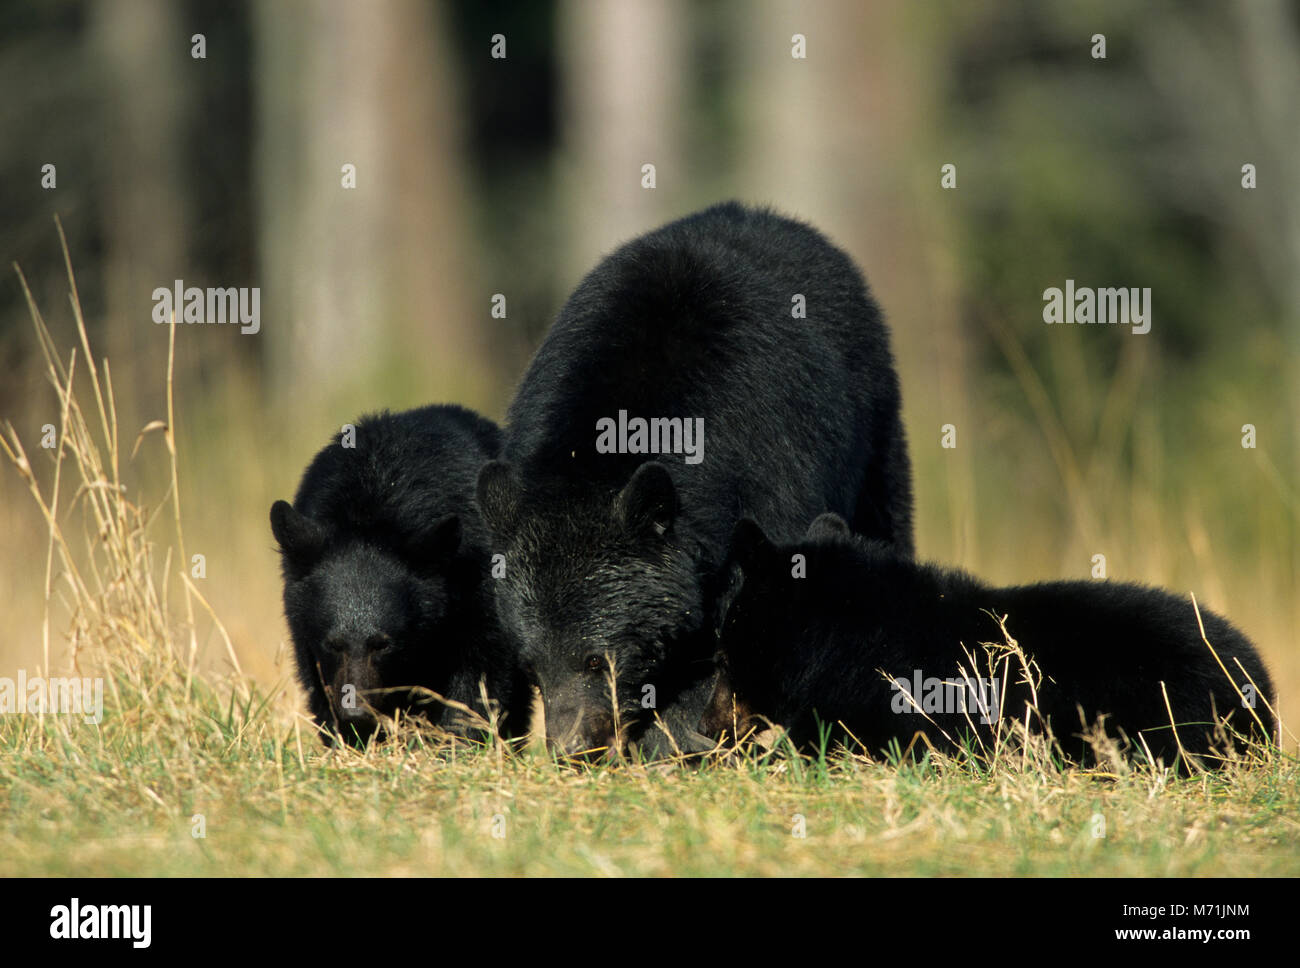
point(385, 567)
point(839, 629)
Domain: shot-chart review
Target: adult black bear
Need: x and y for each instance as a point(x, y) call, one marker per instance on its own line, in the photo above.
point(385, 568)
point(731, 363)
point(811, 638)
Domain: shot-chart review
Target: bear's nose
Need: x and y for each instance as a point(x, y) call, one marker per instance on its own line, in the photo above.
point(356, 715)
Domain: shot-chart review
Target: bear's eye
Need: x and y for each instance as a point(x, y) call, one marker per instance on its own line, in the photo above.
point(594, 663)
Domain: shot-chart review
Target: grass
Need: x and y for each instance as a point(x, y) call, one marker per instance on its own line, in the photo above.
point(184, 751)
point(125, 807)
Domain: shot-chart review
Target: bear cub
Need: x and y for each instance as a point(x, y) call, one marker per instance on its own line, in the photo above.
point(385, 567)
point(866, 637)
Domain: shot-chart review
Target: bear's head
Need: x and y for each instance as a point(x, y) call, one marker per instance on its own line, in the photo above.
point(600, 588)
point(369, 619)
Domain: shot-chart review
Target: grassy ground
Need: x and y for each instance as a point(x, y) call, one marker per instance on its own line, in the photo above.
point(194, 773)
point(128, 801)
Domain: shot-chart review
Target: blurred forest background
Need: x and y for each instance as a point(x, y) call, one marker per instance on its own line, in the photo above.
point(478, 175)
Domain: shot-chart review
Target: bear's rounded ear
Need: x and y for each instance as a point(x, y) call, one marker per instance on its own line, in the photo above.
point(300, 538)
point(648, 501)
point(498, 496)
point(748, 544)
point(828, 526)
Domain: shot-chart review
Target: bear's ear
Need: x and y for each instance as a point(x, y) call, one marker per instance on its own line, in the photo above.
point(648, 500)
point(498, 496)
point(828, 526)
point(300, 538)
point(437, 543)
point(749, 544)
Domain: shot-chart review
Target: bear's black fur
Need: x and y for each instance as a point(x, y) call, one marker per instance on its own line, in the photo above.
point(796, 650)
point(385, 566)
point(616, 557)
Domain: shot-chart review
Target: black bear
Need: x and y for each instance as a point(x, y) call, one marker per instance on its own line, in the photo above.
point(385, 566)
point(731, 363)
point(818, 625)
